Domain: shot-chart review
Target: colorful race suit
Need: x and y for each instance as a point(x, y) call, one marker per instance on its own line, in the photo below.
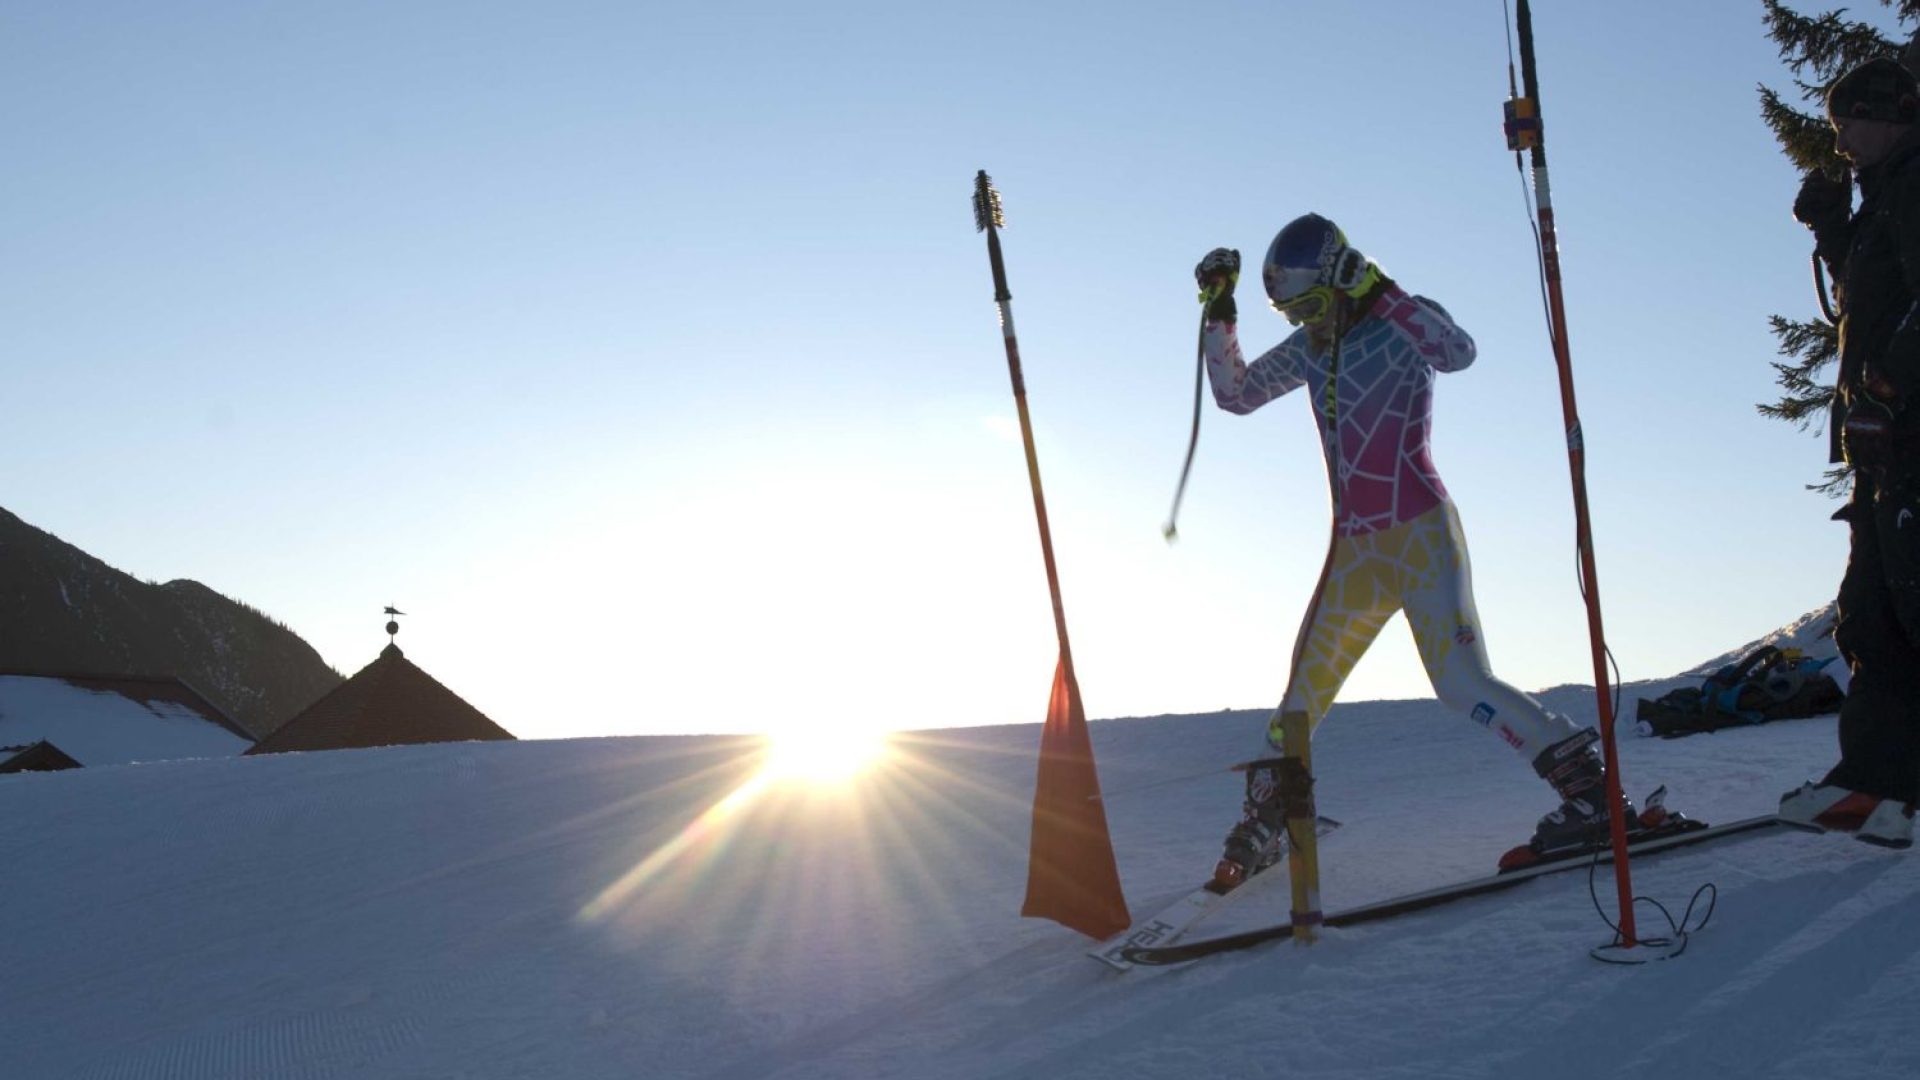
point(1397, 541)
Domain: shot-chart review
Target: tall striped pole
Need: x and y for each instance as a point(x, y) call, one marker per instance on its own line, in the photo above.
point(1071, 874)
point(1525, 132)
point(989, 217)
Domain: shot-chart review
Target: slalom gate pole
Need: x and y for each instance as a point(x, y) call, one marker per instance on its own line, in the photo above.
point(1072, 877)
point(988, 216)
point(1524, 131)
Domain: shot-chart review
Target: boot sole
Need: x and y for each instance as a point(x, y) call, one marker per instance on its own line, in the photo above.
point(1880, 841)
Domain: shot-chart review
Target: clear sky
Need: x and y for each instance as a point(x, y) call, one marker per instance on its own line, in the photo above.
point(645, 352)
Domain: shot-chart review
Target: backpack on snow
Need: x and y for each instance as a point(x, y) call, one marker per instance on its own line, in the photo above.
point(1766, 684)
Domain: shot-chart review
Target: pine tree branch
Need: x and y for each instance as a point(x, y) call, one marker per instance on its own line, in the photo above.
point(1836, 483)
point(1803, 137)
point(1807, 340)
point(1825, 45)
point(1814, 345)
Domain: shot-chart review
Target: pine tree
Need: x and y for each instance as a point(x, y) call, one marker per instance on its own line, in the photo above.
point(1817, 49)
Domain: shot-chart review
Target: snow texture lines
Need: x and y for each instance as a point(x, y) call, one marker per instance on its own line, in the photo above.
point(424, 924)
point(337, 1043)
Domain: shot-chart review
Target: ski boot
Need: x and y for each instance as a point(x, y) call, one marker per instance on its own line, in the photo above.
point(1890, 825)
point(1820, 807)
point(1258, 840)
point(1576, 772)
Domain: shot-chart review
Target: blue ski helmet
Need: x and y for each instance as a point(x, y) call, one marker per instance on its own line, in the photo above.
point(1306, 264)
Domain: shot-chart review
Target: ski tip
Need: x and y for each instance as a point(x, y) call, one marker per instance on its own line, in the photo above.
point(987, 212)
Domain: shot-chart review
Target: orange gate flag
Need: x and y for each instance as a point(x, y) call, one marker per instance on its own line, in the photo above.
point(1071, 875)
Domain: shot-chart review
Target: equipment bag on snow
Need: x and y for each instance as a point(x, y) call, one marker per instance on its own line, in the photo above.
point(1766, 684)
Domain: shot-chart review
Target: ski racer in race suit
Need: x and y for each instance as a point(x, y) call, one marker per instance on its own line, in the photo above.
point(1365, 355)
point(1873, 256)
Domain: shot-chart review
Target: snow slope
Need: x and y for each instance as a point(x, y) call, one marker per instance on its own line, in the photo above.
point(616, 908)
point(1811, 633)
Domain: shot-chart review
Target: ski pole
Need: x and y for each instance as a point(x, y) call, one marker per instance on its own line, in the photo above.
point(1169, 530)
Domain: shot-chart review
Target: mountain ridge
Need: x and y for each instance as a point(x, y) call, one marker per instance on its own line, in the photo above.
point(68, 612)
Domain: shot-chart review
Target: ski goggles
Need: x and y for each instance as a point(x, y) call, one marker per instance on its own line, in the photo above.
point(1309, 307)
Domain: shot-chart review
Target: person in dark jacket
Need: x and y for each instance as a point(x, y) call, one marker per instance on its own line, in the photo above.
point(1873, 256)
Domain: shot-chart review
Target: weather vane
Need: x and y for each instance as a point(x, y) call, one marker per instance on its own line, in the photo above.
point(393, 625)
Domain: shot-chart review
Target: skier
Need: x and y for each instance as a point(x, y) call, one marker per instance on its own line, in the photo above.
point(1872, 256)
point(1366, 352)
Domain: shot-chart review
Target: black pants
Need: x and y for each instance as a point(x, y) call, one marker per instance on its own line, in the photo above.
point(1878, 633)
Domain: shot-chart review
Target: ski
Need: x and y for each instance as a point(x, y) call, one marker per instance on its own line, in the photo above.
point(1156, 954)
point(1163, 927)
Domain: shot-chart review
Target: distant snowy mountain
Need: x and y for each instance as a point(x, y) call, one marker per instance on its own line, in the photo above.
point(1811, 633)
point(68, 613)
point(610, 908)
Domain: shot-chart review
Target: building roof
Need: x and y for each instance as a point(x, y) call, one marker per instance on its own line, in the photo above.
point(115, 719)
point(389, 702)
point(147, 690)
point(42, 756)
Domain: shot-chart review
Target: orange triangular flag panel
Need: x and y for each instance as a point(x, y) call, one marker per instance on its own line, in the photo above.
point(1071, 876)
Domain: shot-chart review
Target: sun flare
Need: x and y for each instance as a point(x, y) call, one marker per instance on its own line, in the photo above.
point(823, 755)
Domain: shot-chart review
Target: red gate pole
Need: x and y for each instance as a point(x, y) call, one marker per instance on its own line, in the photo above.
point(1072, 877)
point(1524, 132)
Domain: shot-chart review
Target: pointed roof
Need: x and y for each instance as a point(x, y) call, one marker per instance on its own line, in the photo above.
point(389, 702)
point(42, 756)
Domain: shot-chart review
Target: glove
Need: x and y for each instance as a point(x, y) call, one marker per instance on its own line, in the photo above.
point(1866, 440)
point(1823, 203)
point(1217, 274)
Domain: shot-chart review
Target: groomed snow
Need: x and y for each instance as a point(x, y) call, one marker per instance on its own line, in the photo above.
point(618, 908)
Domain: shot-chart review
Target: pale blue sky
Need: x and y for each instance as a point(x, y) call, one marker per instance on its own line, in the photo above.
point(645, 353)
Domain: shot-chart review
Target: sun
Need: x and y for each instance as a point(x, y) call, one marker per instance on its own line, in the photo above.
point(823, 753)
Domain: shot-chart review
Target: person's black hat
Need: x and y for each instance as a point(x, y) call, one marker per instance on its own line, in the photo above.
point(1877, 90)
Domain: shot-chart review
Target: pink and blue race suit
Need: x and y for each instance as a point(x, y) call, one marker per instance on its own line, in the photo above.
point(1397, 542)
